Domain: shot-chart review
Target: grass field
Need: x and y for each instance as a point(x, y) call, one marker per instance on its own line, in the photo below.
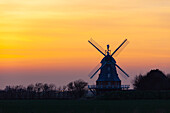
point(84, 106)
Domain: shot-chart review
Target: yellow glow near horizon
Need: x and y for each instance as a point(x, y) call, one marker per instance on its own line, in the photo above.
point(54, 33)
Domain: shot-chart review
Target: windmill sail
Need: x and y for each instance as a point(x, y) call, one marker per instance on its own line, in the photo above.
point(97, 46)
point(121, 49)
point(96, 71)
point(122, 70)
point(118, 47)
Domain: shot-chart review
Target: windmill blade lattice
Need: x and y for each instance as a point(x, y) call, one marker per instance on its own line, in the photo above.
point(94, 70)
point(122, 70)
point(97, 71)
point(118, 47)
point(122, 73)
point(121, 49)
point(97, 46)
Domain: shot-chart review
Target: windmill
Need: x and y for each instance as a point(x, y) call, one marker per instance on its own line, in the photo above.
point(108, 79)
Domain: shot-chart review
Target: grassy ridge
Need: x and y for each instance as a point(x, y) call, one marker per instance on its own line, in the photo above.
point(84, 106)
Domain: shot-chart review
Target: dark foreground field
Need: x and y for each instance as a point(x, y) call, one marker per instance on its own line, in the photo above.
point(84, 106)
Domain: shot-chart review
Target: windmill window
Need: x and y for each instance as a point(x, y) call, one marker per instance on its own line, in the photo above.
point(108, 75)
point(108, 68)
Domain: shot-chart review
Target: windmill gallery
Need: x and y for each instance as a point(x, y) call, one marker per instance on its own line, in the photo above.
point(108, 79)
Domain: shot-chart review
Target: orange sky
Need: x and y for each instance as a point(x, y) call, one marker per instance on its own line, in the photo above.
point(49, 36)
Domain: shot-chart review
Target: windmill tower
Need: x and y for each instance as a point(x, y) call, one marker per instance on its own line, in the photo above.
point(108, 79)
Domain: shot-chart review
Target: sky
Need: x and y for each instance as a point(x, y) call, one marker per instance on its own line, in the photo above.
point(47, 40)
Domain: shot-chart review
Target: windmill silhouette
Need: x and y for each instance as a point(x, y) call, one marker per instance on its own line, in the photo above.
point(108, 79)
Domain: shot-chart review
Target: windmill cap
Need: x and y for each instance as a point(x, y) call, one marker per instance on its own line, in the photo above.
point(108, 46)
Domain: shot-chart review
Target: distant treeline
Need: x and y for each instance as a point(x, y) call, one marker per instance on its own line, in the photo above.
point(154, 85)
point(76, 89)
point(153, 80)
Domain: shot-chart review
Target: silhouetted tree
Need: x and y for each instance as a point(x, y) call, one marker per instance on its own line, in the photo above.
point(30, 91)
point(38, 87)
point(52, 91)
point(30, 88)
point(7, 88)
point(78, 88)
point(45, 88)
point(168, 76)
point(74, 89)
point(70, 86)
point(52, 87)
point(153, 80)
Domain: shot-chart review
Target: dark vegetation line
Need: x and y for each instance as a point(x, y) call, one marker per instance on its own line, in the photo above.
point(153, 80)
point(154, 85)
point(73, 90)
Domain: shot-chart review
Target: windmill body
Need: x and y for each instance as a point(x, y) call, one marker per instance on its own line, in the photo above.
point(108, 79)
point(108, 74)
